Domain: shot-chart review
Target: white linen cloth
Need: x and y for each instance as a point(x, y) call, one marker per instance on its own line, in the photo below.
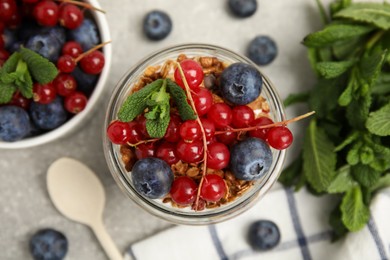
point(305, 233)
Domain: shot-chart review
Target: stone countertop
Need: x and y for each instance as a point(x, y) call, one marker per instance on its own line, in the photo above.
point(24, 203)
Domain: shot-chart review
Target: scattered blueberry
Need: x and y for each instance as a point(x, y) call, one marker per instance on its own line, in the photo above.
point(243, 8)
point(241, 83)
point(152, 177)
point(48, 244)
point(262, 50)
point(250, 159)
point(14, 123)
point(263, 235)
point(86, 34)
point(157, 25)
point(48, 116)
point(85, 82)
point(45, 44)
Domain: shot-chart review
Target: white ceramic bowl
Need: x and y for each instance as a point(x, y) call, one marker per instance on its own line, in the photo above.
point(81, 117)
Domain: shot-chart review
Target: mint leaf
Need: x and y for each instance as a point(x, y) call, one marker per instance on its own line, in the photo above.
point(354, 213)
point(370, 66)
point(179, 97)
point(135, 104)
point(373, 13)
point(289, 175)
point(365, 175)
point(41, 69)
point(296, 98)
point(378, 122)
point(325, 88)
point(156, 128)
point(345, 49)
point(346, 97)
point(333, 69)
point(6, 92)
point(334, 33)
point(358, 110)
point(348, 140)
point(343, 181)
point(353, 155)
point(381, 86)
point(366, 155)
point(319, 159)
point(382, 183)
point(337, 5)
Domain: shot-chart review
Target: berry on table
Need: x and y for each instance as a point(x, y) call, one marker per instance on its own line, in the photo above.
point(213, 188)
point(48, 244)
point(262, 50)
point(183, 190)
point(279, 137)
point(193, 73)
point(263, 235)
point(250, 159)
point(75, 102)
point(152, 177)
point(157, 25)
point(241, 83)
point(242, 8)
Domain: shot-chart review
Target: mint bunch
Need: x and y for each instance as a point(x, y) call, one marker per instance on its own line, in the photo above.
point(154, 100)
point(19, 71)
point(346, 147)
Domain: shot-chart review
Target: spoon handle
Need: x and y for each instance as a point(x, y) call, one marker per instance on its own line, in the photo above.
point(106, 241)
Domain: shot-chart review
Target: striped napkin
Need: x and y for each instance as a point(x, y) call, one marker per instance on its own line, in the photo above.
point(305, 234)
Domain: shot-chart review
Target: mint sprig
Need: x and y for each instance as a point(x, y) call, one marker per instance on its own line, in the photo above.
point(346, 147)
point(154, 101)
point(19, 71)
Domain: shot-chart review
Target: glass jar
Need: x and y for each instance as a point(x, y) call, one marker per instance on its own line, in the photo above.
point(165, 210)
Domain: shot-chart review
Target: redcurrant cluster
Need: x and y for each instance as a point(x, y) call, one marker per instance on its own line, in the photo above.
point(204, 141)
point(22, 22)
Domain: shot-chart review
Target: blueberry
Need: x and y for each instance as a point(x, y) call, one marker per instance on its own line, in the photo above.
point(45, 44)
point(250, 159)
point(85, 82)
point(241, 83)
point(14, 123)
point(242, 8)
point(152, 177)
point(48, 244)
point(10, 37)
point(87, 34)
point(262, 50)
point(263, 235)
point(48, 116)
point(157, 25)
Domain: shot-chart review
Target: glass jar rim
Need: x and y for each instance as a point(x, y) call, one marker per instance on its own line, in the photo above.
point(174, 215)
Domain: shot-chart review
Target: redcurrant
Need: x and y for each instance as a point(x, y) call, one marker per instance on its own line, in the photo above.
point(279, 137)
point(141, 121)
point(65, 84)
point(145, 150)
point(118, 132)
point(220, 114)
point(218, 156)
point(190, 152)
point(203, 100)
point(260, 133)
point(172, 133)
point(193, 73)
point(242, 116)
point(227, 137)
point(66, 63)
point(167, 151)
point(20, 101)
point(7, 9)
point(75, 102)
point(46, 13)
point(190, 130)
point(93, 63)
point(208, 127)
point(72, 49)
point(183, 190)
point(44, 94)
point(70, 16)
point(213, 188)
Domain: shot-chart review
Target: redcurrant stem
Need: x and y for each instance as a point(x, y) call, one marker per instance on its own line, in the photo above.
point(86, 5)
point(188, 90)
point(143, 142)
point(82, 55)
point(285, 122)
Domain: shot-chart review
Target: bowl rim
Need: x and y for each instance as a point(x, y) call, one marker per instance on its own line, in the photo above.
point(76, 120)
point(114, 163)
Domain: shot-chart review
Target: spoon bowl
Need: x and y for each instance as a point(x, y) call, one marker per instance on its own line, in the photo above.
point(79, 195)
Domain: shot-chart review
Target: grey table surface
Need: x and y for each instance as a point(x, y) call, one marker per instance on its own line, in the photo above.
point(24, 203)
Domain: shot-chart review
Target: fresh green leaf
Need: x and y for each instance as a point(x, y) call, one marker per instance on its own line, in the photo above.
point(346, 49)
point(41, 69)
point(10, 64)
point(382, 183)
point(372, 13)
point(366, 155)
point(156, 128)
point(358, 110)
point(370, 66)
point(179, 97)
point(338, 5)
point(289, 175)
point(348, 140)
point(136, 103)
point(343, 181)
point(365, 175)
point(354, 213)
point(313, 58)
point(319, 159)
point(296, 98)
point(6, 92)
point(378, 122)
point(353, 155)
point(324, 16)
point(334, 33)
point(346, 97)
point(333, 69)
point(26, 87)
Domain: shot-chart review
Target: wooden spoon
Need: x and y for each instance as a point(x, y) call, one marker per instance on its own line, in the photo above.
point(79, 195)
